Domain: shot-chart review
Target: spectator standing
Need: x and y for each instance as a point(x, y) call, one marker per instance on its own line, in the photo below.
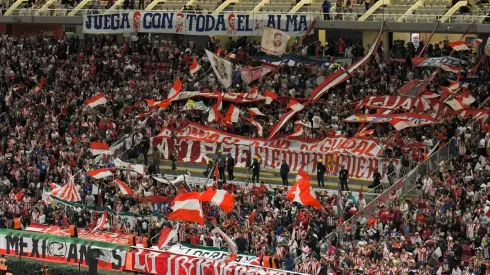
point(284, 172)
point(320, 173)
point(326, 9)
point(255, 167)
point(221, 159)
point(230, 166)
point(344, 178)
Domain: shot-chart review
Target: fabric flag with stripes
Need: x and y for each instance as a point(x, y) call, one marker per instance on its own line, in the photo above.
point(299, 131)
point(97, 100)
point(214, 114)
point(102, 221)
point(458, 46)
point(414, 88)
point(232, 114)
point(255, 112)
point(260, 129)
point(166, 235)
point(98, 148)
point(123, 187)
point(269, 97)
point(232, 247)
point(67, 193)
point(253, 94)
point(138, 168)
point(176, 88)
point(455, 103)
point(401, 124)
point(194, 67)
point(219, 198)
point(187, 207)
point(99, 173)
point(342, 75)
point(449, 68)
point(364, 133)
point(302, 192)
point(294, 107)
point(475, 43)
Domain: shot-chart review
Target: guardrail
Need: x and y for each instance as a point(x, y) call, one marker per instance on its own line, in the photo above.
point(402, 187)
point(377, 17)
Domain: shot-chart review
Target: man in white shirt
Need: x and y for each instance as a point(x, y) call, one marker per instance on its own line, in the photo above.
point(217, 241)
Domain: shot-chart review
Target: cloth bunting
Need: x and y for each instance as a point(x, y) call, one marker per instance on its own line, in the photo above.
point(194, 67)
point(219, 198)
point(176, 88)
point(97, 100)
point(232, 114)
point(255, 112)
point(187, 207)
point(100, 173)
point(166, 235)
point(302, 192)
point(123, 187)
point(458, 46)
point(257, 125)
point(99, 148)
point(103, 221)
point(269, 97)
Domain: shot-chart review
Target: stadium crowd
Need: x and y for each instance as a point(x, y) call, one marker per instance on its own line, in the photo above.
point(46, 130)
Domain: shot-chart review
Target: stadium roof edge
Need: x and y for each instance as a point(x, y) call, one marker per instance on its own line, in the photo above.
point(322, 24)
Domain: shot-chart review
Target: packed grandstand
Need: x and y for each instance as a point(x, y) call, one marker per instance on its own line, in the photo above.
point(168, 154)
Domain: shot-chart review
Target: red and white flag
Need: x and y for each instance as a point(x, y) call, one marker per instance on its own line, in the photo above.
point(255, 112)
point(123, 187)
point(219, 103)
point(342, 75)
point(67, 193)
point(100, 173)
point(475, 43)
point(214, 114)
point(299, 131)
point(449, 68)
point(428, 94)
point(295, 107)
point(253, 94)
point(166, 235)
point(458, 46)
point(232, 114)
point(230, 55)
point(187, 207)
point(219, 198)
point(269, 97)
point(96, 100)
point(176, 89)
point(257, 125)
point(456, 103)
point(98, 148)
point(364, 133)
point(194, 67)
point(103, 221)
point(401, 124)
point(302, 192)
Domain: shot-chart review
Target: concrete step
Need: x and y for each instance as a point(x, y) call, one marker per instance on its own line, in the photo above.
point(267, 175)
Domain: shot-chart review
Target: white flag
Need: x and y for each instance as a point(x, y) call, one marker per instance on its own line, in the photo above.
point(274, 42)
point(221, 67)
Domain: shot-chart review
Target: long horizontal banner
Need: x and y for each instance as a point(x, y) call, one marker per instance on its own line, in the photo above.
point(229, 24)
point(208, 253)
point(358, 164)
point(233, 97)
point(417, 119)
point(82, 233)
point(152, 262)
point(294, 60)
point(360, 146)
point(432, 61)
point(58, 249)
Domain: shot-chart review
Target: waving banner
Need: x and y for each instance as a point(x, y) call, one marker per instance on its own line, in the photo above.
point(221, 67)
point(229, 24)
point(433, 61)
point(417, 119)
point(294, 60)
point(250, 74)
point(388, 102)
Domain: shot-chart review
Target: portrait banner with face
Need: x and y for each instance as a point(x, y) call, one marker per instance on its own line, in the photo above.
point(221, 67)
point(274, 41)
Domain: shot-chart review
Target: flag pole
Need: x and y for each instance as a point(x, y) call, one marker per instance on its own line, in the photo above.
point(430, 37)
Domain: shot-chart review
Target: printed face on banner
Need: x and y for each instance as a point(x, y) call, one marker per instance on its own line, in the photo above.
point(232, 24)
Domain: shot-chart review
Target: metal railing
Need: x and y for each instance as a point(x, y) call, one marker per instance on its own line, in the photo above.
point(346, 16)
point(400, 188)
